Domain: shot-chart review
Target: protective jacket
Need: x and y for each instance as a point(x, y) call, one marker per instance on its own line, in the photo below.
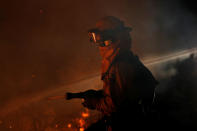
point(127, 82)
point(127, 95)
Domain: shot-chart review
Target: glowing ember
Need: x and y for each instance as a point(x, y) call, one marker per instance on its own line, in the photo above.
point(56, 126)
point(81, 129)
point(69, 125)
point(85, 115)
point(81, 122)
point(10, 127)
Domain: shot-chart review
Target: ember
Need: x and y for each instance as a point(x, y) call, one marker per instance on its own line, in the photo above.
point(81, 122)
point(84, 114)
point(81, 129)
point(69, 125)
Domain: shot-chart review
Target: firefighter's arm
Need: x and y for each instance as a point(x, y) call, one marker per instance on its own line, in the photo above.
point(92, 99)
point(103, 104)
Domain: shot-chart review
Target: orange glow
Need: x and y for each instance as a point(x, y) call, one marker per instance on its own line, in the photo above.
point(85, 115)
point(69, 125)
point(81, 129)
point(81, 122)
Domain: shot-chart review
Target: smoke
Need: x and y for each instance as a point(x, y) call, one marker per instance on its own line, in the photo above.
point(169, 26)
point(176, 95)
point(176, 25)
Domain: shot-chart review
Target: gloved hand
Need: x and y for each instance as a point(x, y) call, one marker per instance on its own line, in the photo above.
point(90, 103)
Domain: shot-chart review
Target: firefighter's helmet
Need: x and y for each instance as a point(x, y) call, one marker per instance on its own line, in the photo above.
point(106, 30)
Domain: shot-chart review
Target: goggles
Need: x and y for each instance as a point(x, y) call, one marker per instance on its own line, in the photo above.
point(101, 38)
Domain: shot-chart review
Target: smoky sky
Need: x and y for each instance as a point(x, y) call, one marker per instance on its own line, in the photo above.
point(44, 44)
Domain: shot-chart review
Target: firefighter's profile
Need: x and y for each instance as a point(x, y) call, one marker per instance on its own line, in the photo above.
point(128, 86)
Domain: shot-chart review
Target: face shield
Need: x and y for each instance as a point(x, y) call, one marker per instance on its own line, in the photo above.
point(101, 38)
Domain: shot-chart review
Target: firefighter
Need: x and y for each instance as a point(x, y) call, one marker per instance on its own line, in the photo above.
point(128, 86)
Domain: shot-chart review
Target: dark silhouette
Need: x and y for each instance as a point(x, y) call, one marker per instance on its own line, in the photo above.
point(128, 86)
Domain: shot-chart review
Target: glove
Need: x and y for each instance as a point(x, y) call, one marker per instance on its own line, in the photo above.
point(90, 103)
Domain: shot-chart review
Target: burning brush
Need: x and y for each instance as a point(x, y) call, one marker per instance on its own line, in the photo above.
point(82, 120)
